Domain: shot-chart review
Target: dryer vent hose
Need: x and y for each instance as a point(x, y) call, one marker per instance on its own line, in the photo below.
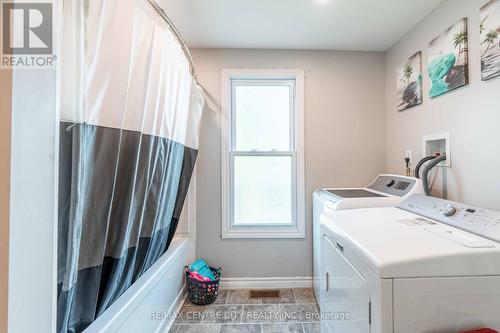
point(421, 162)
point(427, 169)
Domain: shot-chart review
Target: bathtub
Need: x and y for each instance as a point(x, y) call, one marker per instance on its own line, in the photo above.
point(151, 303)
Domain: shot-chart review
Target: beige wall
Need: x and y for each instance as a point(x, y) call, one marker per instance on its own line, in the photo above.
point(5, 122)
point(470, 114)
point(344, 143)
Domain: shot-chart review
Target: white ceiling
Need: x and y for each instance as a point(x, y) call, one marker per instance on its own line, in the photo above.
point(367, 25)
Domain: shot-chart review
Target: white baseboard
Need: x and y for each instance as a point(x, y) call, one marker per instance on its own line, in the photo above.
point(266, 283)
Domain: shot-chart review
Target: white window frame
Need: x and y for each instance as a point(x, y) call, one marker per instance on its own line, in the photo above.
point(297, 229)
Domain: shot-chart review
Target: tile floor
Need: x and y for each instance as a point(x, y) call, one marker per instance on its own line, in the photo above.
point(234, 311)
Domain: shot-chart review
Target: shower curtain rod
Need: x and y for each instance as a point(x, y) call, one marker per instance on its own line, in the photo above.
point(177, 34)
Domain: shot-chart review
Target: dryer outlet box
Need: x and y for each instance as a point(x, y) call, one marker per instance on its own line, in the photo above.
point(438, 143)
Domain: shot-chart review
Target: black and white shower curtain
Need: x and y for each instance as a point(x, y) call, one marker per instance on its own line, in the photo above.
point(128, 143)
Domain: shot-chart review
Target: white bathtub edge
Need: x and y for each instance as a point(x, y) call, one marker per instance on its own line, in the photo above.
point(117, 314)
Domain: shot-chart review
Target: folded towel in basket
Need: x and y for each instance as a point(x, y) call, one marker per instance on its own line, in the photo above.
point(202, 268)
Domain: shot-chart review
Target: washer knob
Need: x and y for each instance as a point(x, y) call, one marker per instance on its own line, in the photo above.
point(448, 210)
point(390, 182)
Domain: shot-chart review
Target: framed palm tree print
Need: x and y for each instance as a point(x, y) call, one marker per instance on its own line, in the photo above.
point(409, 82)
point(448, 60)
point(490, 40)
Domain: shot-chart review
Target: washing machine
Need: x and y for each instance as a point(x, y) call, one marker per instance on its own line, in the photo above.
point(385, 190)
point(428, 265)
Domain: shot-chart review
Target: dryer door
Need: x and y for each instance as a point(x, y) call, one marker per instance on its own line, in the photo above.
point(320, 207)
point(346, 296)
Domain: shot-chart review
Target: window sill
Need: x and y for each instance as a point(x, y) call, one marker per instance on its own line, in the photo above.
point(263, 233)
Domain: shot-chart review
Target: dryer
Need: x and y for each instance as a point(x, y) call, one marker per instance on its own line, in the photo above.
point(428, 265)
point(385, 190)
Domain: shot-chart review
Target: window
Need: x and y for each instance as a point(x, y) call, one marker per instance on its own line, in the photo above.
point(262, 154)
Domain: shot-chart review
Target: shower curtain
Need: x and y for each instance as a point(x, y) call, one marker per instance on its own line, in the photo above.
point(130, 111)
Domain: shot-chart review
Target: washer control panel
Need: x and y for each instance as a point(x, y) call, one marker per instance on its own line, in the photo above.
point(480, 221)
point(394, 185)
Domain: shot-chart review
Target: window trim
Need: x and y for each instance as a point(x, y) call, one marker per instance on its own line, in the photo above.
point(296, 230)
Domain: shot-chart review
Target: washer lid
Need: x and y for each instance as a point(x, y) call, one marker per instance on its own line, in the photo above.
point(350, 198)
point(354, 193)
point(396, 244)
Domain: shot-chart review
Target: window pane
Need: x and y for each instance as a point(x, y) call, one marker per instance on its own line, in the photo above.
point(262, 117)
point(262, 190)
